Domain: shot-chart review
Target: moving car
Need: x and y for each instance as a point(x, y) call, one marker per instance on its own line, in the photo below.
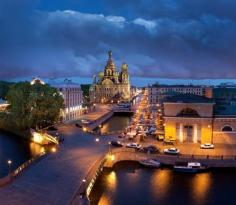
point(207, 146)
point(172, 151)
point(116, 143)
point(133, 145)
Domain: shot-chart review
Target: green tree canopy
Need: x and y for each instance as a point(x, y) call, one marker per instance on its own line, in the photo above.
point(4, 87)
point(33, 105)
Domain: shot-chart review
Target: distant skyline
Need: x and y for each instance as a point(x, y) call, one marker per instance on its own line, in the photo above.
point(174, 39)
point(136, 81)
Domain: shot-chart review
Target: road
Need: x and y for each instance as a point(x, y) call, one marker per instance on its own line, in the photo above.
point(54, 179)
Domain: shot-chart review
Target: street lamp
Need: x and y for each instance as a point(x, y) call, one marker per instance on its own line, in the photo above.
point(53, 149)
point(109, 147)
point(97, 139)
point(9, 163)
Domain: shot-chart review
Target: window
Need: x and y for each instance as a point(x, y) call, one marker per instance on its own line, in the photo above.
point(188, 112)
point(227, 128)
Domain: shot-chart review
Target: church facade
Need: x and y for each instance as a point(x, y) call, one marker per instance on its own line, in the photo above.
point(111, 85)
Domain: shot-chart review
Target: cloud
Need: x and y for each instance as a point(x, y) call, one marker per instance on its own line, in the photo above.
point(164, 38)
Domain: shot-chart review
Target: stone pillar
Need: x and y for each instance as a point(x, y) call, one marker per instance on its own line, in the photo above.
point(181, 133)
point(195, 133)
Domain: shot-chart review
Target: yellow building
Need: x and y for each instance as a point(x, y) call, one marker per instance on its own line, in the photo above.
point(191, 118)
point(111, 85)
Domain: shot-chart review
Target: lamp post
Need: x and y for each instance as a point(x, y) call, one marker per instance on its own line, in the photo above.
point(109, 148)
point(9, 163)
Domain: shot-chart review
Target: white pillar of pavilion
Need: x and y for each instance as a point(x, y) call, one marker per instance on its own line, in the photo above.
point(181, 133)
point(195, 133)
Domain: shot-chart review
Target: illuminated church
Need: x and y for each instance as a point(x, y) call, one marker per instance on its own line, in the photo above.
point(111, 86)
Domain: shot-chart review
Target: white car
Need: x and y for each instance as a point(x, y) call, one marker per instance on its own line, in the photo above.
point(171, 150)
point(133, 145)
point(207, 146)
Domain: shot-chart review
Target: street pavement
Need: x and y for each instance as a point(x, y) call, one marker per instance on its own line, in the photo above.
point(54, 179)
point(192, 148)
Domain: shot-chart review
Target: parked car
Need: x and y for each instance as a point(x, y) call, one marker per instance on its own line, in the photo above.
point(116, 143)
point(133, 145)
point(160, 137)
point(207, 146)
point(150, 149)
point(122, 135)
point(172, 151)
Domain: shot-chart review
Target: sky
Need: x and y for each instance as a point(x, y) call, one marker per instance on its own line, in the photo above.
point(174, 39)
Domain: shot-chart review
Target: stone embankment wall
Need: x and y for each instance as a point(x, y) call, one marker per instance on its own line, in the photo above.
point(209, 160)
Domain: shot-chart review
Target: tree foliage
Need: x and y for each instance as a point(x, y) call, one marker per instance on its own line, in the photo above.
point(33, 105)
point(4, 87)
point(85, 89)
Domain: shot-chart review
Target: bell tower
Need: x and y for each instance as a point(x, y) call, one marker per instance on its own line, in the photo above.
point(110, 68)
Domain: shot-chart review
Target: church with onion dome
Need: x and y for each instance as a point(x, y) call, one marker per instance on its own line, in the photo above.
point(111, 86)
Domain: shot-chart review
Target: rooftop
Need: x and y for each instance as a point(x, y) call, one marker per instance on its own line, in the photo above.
point(225, 110)
point(188, 98)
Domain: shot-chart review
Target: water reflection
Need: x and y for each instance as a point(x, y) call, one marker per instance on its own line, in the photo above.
point(160, 183)
point(15, 149)
point(115, 123)
point(111, 181)
point(200, 186)
point(130, 184)
point(35, 149)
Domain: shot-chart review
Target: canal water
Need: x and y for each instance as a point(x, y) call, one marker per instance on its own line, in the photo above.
point(116, 123)
point(131, 184)
point(15, 149)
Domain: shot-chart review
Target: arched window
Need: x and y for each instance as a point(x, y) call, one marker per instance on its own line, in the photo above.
point(188, 112)
point(227, 128)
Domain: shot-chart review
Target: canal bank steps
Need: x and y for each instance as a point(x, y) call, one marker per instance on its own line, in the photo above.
point(81, 196)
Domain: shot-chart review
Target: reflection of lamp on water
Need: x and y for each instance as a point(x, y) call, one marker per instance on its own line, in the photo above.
point(9, 163)
point(42, 150)
point(112, 157)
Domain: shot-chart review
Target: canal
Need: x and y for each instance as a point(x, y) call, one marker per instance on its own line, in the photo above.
point(15, 149)
point(118, 122)
point(130, 183)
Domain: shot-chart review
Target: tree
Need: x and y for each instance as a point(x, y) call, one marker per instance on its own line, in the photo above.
point(4, 87)
point(34, 106)
point(85, 89)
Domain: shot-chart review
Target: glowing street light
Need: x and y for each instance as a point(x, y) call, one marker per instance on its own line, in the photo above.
point(97, 140)
point(53, 149)
point(9, 163)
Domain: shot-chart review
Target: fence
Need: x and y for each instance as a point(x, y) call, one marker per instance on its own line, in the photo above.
point(10, 177)
point(82, 192)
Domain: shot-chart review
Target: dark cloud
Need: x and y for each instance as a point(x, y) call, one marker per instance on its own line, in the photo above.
point(164, 38)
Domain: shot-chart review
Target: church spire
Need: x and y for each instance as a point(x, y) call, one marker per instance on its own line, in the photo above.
point(110, 54)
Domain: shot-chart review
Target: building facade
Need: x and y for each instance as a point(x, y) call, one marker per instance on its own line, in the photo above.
point(194, 119)
point(111, 86)
point(157, 93)
point(73, 99)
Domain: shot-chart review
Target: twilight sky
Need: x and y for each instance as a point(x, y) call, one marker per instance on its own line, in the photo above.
point(157, 38)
